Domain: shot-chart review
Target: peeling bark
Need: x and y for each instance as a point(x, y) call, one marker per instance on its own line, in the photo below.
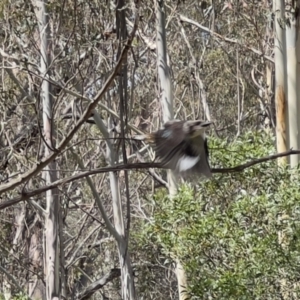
point(280, 79)
point(281, 121)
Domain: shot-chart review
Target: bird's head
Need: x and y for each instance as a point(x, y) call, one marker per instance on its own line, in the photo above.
point(196, 128)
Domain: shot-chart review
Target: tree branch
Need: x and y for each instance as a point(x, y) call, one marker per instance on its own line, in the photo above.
point(97, 285)
point(187, 20)
point(43, 163)
point(27, 194)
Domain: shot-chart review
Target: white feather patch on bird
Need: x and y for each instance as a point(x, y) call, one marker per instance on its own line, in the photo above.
point(186, 162)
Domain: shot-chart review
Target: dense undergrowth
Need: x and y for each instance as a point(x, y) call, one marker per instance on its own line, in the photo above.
point(236, 235)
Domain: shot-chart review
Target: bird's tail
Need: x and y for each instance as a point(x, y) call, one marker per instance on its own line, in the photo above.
point(205, 169)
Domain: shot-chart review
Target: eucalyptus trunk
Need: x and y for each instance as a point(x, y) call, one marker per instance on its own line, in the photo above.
point(164, 78)
point(51, 233)
point(292, 28)
point(168, 114)
point(127, 279)
point(280, 79)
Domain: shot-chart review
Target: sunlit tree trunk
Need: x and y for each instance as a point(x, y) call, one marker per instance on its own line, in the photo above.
point(167, 110)
point(164, 78)
point(51, 233)
point(298, 71)
point(292, 28)
point(280, 79)
point(280, 90)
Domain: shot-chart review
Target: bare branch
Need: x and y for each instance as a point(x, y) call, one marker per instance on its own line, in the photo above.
point(108, 224)
point(137, 166)
point(97, 285)
point(43, 163)
point(185, 19)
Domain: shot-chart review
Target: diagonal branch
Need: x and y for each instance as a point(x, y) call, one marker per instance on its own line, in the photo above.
point(137, 166)
point(98, 284)
point(43, 163)
point(109, 225)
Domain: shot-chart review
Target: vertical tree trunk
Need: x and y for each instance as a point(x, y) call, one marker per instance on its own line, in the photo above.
point(162, 64)
point(292, 80)
point(127, 280)
point(164, 78)
point(51, 238)
point(280, 81)
point(167, 108)
point(298, 62)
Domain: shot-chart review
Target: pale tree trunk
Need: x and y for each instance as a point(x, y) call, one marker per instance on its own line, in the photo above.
point(280, 90)
point(51, 234)
point(127, 279)
point(118, 231)
point(164, 78)
point(167, 110)
point(292, 28)
point(280, 79)
point(162, 64)
point(298, 70)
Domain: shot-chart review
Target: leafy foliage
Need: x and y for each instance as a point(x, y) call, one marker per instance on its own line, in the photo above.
point(237, 235)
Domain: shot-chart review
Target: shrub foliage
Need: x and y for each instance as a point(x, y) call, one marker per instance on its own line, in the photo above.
point(237, 235)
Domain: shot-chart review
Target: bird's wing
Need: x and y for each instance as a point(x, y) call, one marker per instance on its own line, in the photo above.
point(168, 143)
point(202, 165)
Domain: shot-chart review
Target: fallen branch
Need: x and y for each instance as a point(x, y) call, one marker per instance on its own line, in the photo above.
point(25, 195)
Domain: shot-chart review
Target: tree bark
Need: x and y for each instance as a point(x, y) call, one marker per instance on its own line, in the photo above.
point(51, 233)
point(280, 82)
point(164, 79)
point(292, 79)
point(168, 114)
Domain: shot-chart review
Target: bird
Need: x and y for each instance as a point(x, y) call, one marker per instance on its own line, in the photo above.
point(182, 147)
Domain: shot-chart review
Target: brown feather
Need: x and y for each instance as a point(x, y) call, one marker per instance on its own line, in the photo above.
point(179, 140)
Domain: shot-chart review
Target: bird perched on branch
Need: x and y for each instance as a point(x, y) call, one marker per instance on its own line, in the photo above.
point(182, 147)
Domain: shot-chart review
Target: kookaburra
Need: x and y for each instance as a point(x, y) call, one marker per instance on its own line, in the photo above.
point(182, 147)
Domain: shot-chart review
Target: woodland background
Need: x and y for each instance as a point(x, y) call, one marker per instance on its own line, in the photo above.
point(69, 105)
